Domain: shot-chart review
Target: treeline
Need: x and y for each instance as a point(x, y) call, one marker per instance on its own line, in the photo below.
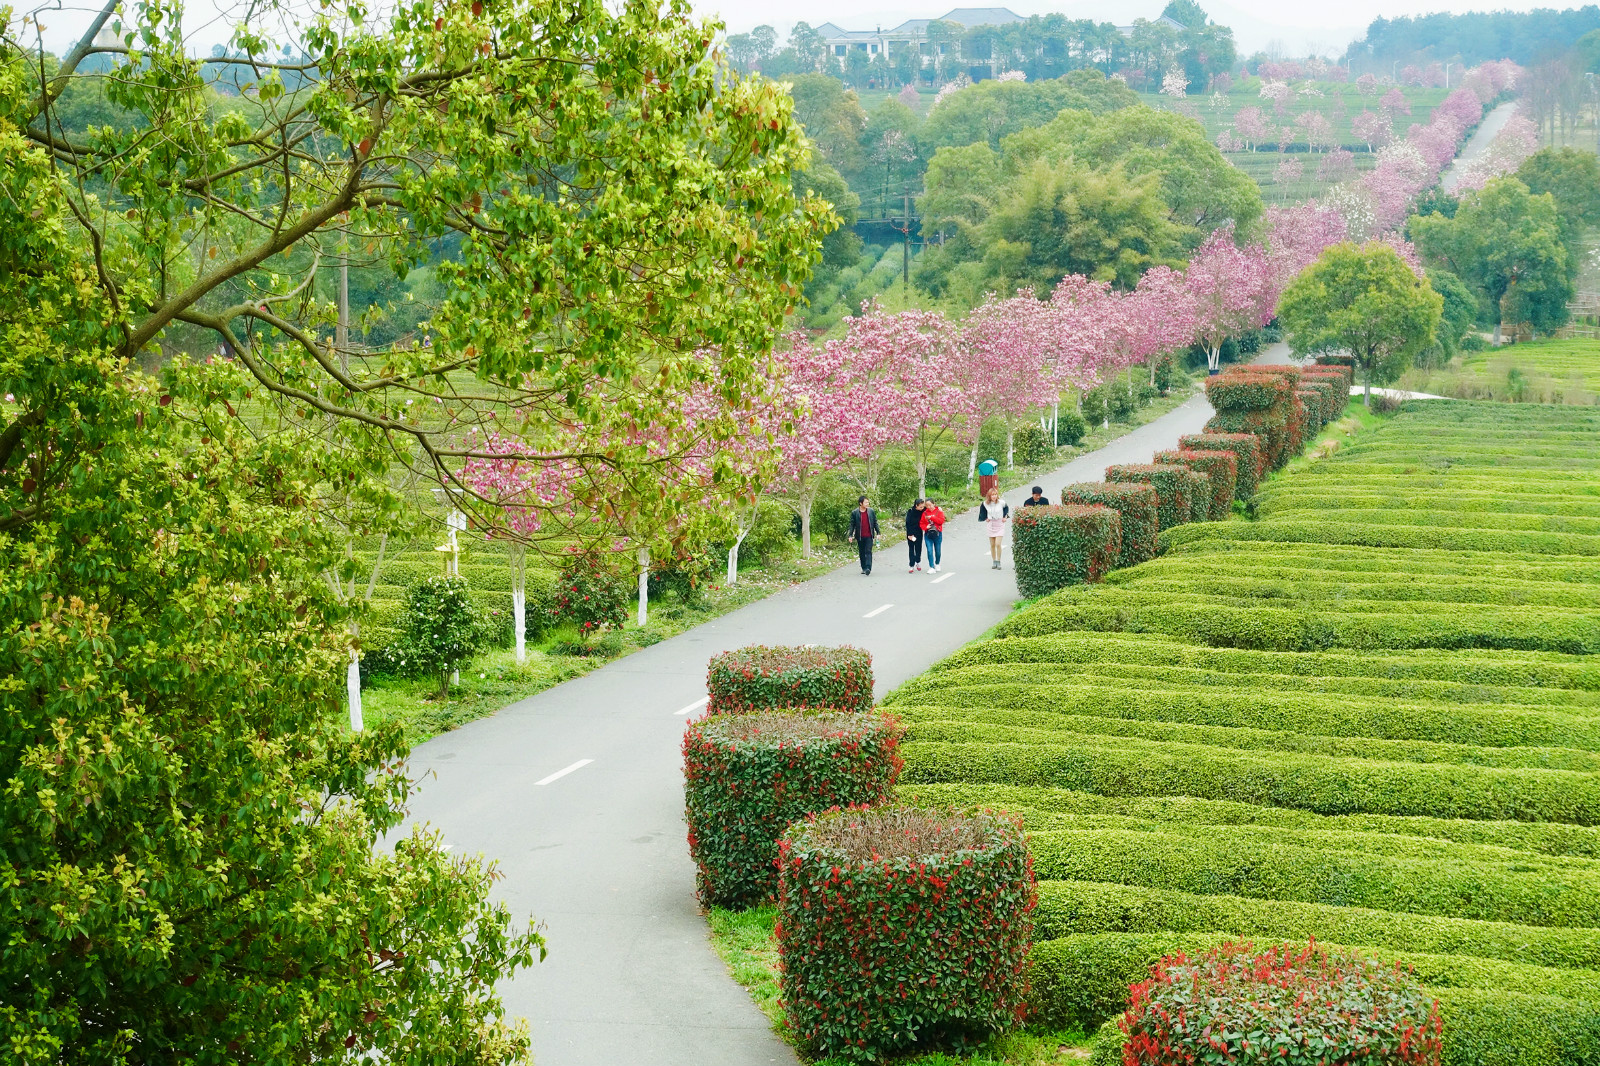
point(1475, 37)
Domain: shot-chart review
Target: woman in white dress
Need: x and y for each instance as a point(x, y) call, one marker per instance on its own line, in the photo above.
point(993, 512)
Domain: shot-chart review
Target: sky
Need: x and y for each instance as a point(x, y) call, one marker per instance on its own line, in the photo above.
point(1304, 27)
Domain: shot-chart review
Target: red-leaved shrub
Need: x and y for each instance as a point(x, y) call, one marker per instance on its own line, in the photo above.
point(1134, 503)
point(1173, 506)
point(1246, 448)
point(898, 927)
point(746, 777)
point(1288, 1005)
point(759, 678)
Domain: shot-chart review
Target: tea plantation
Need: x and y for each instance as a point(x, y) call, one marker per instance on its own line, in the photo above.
point(1370, 716)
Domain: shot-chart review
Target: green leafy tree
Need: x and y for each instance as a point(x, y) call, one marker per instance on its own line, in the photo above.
point(1459, 312)
point(991, 110)
point(1362, 300)
point(1572, 177)
point(439, 628)
point(832, 119)
point(1506, 243)
point(1185, 13)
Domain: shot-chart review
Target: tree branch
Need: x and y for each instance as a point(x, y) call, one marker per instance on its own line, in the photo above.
point(85, 45)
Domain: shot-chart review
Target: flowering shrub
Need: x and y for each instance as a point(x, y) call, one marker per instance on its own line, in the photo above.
point(439, 629)
point(1246, 449)
point(1173, 506)
point(896, 926)
point(1135, 505)
point(590, 594)
point(1297, 1006)
point(759, 678)
point(1053, 547)
point(1220, 466)
point(747, 777)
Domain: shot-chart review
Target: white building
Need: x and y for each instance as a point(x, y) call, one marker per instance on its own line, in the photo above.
point(912, 33)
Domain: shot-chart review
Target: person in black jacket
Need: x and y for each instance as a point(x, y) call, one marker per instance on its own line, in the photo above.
point(863, 528)
point(1038, 499)
point(914, 534)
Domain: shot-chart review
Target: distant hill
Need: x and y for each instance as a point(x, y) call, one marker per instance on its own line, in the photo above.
point(1524, 36)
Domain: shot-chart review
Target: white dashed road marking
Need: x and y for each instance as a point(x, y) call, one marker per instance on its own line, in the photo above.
point(880, 610)
point(559, 774)
point(941, 577)
point(695, 706)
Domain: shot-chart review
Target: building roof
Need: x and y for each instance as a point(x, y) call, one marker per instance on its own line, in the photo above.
point(1172, 23)
point(980, 16)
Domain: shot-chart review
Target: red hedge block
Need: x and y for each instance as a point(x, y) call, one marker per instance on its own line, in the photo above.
point(898, 926)
point(747, 777)
point(761, 678)
point(1250, 465)
point(1270, 425)
point(1295, 1006)
point(1173, 507)
point(1134, 503)
point(1199, 495)
point(1221, 466)
point(1053, 547)
point(1236, 391)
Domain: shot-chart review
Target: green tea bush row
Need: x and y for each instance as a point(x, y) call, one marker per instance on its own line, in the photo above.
point(899, 925)
point(1136, 506)
point(1501, 668)
point(1397, 536)
point(1053, 547)
point(1313, 783)
point(1060, 808)
point(1306, 589)
point(1241, 863)
point(1076, 907)
point(762, 678)
point(1173, 506)
point(1279, 629)
point(1422, 516)
point(1014, 726)
point(1456, 501)
point(746, 777)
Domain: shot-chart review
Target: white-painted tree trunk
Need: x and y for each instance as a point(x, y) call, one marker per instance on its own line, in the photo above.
point(972, 463)
point(805, 524)
point(733, 558)
point(1011, 448)
point(1214, 358)
point(352, 685)
point(922, 477)
point(644, 586)
point(519, 600)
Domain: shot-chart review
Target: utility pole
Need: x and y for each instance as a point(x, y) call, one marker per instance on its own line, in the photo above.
point(905, 258)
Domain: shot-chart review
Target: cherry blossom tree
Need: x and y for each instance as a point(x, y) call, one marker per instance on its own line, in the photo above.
point(1288, 172)
point(1252, 125)
point(1394, 102)
point(1175, 84)
point(1231, 289)
point(1410, 74)
point(1278, 92)
point(1318, 130)
point(1337, 165)
point(1366, 85)
point(1009, 339)
point(1374, 128)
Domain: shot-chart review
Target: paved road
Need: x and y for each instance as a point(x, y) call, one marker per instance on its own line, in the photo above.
point(1491, 125)
point(598, 853)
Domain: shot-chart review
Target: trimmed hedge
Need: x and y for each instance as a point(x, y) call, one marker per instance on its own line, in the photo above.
point(1299, 1005)
point(1271, 426)
point(758, 678)
point(1220, 466)
point(1249, 462)
point(1448, 539)
point(1240, 391)
point(898, 925)
point(1137, 508)
point(1076, 907)
point(1199, 495)
point(1080, 981)
point(1171, 483)
point(747, 777)
point(1323, 784)
point(1052, 547)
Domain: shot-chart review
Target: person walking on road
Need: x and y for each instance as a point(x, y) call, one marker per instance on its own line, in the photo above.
point(863, 528)
point(1038, 499)
point(933, 533)
point(993, 512)
point(914, 535)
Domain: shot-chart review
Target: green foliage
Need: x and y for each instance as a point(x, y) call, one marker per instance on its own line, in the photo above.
point(748, 776)
point(1173, 506)
point(1219, 467)
point(1065, 545)
point(1572, 177)
point(1199, 495)
point(1137, 507)
point(1094, 406)
point(758, 678)
point(1120, 403)
point(901, 926)
point(439, 629)
point(1071, 427)
point(1033, 445)
point(1502, 234)
point(592, 593)
point(989, 111)
point(1365, 301)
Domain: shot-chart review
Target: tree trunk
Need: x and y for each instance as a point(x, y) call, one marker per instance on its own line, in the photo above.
point(519, 600)
point(922, 477)
point(1214, 358)
point(1011, 449)
point(1366, 378)
point(644, 585)
point(972, 463)
point(805, 526)
point(352, 680)
point(733, 552)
